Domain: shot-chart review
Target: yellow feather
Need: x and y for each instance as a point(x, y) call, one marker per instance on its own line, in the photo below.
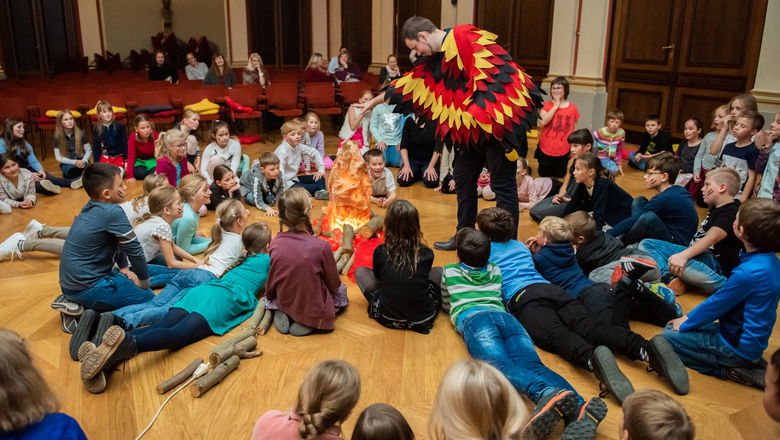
point(507, 110)
point(499, 117)
point(487, 128)
point(458, 117)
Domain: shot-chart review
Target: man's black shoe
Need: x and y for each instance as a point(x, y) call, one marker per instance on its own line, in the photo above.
point(448, 245)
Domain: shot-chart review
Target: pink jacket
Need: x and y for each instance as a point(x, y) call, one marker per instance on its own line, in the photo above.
point(530, 191)
point(166, 166)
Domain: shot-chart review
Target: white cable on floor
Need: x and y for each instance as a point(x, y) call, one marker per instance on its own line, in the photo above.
point(200, 371)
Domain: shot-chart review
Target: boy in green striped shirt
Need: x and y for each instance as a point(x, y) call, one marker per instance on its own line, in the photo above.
point(471, 293)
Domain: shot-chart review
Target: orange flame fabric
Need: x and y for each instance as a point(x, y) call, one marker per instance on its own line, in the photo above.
point(350, 188)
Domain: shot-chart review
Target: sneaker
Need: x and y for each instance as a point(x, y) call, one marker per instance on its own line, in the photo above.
point(661, 291)
point(66, 306)
point(591, 415)
point(76, 184)
point(84, 330)
point(678, 310)
point(752, 377)
point(116, 347)
point(33, 229)
point(104, 323)
point(607, 372)
point(68, 323)
point(49, 186)
point(282, 322)
point(322, 195)
point(664, 361)
point(11, 246)
point(551, 409)
point(633, 268)
point(97, 384)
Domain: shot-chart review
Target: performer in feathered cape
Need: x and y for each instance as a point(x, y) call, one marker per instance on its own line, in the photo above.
point(481, 101)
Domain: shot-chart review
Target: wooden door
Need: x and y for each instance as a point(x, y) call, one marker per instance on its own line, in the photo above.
point(430, 9)
point(524, 29)
point(356, 31)
point(681, 58)
point(280, 31)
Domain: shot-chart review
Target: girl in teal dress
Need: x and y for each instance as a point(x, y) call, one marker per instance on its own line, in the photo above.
point(195, 192)
point(213, 308)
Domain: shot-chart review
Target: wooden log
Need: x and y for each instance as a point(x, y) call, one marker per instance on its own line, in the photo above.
point(265, 324)
point(337, 254)
point(350, 262)
point(222, 352)
point(342, 262)
point(373, 225)
point(347, 239)
point(207, 381)
point(179, 377)
point(257, 316)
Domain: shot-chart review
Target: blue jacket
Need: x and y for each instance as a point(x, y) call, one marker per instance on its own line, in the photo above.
point(746, 305)
point(29, 157)
point(674, 207)
point(557, 264)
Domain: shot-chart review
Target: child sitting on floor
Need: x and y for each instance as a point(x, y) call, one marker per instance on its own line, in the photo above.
point(741, 155)
point(141, 150)
point(327, 396)
point(224, 187)
point(385, 127)
point(71, 148)
point(195, 193)
point(726, 335)
point(560, 324)
point(714, 250)
point(139, 206)
point(381, 421)
point(262, 184)
point(356, 123)
point(383, 187)
point(209, 309)
point(171, 153)
point(608, 142)
point(471, 293)
point(688, 151)
point(652, 415)
point(290, 153)
point(705, 159)
point(314, 138)
point(17, 186)
point(402, 290)
point(109, 137)
point(304, 285)
point(616, 303)
point(529, 190)
point(221, 151)
point(654, 141)
point(597, 194)
point(669, 216)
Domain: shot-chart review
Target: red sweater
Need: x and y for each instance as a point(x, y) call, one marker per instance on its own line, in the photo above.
point(166, 166)
point(303, 279)
point(140, 150)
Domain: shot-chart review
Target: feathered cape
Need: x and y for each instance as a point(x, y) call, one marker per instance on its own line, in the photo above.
point(472, 90)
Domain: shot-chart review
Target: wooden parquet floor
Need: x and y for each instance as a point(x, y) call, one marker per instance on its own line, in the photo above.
point(397, 367)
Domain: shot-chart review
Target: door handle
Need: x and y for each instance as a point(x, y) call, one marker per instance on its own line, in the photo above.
point(671, 46)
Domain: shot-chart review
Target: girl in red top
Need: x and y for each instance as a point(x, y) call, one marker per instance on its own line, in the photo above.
point(303, 284)
point(140, 150)
point(171, 152)
point(558, 118)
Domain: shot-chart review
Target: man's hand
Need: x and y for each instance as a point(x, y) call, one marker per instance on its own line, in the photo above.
point(677, 264)
point(406, 173)
point(676, 323)
point(430, 173)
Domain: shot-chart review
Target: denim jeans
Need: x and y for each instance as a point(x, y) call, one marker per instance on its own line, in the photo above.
point(152, 311)
point(641, 226)
point(110, 293)
point(308, 183)
point(702, 271)
point(160, 274)
point(703, 350)
point(392, 156)
point(497, 338)
point(639, 164)
point(71, 171)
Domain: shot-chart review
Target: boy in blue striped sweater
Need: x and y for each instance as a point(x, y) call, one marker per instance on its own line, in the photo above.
point(471, 293)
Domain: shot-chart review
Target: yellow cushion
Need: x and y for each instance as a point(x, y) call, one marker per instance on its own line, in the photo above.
point(93, 111)
point(53, 113)
point(209, 112)
point(203, 106)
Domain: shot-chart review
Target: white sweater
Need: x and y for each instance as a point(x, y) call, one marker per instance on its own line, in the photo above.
point(231, 154)
point(290, 159)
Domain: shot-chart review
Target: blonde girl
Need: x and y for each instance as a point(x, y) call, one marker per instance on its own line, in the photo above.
point(71, 148)
point(141, 158)
point(139, 206)
point(171, 152)
point(109, 137)
point(254, 72)
point(327, 396)
point(356, 123)
point(195, 193)
point(154, 232)
point(313, 138)
point(27, 405)
point(221, 151)
point(189, 124)
point(224, 250)
point(476, 401)
point(205, 310)
point(303, 285)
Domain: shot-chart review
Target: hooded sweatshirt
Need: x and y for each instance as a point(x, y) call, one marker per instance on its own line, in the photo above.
point(557, 264)
point(600, 250)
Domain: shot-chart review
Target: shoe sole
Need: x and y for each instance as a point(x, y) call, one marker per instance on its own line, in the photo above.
point(737, 377)
point(617, 274)
point(640, 261)
point(93, 360)
point(677, 286)
point(76, 184)
point(543, 423)
point(104, 323)
point(616, 382)
point(68, 323)
point(51, 187)
point(28, 231)
point(586, 425)
point(670, 365)
point(61, 304)
point(82, 334)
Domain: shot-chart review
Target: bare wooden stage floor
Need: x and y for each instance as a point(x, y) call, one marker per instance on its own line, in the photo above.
point(401, 368)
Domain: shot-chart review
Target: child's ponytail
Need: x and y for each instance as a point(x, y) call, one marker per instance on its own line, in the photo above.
point(255, 239)
point(151, 182)
point(592, 162)
point(228, 213)
point(159, 199)
point(327, 396)
point(294, 204)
